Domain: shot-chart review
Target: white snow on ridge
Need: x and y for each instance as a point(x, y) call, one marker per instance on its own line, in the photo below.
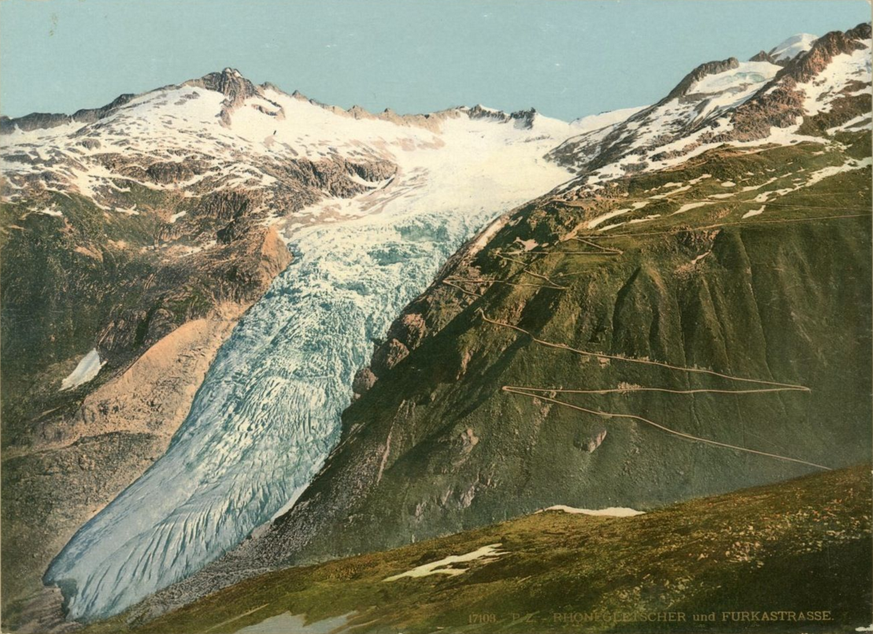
point(88, 368)
point(604, 119)
point(269, 409)
point(793, 46)
point(678, 130)
point(747, 74)
point(842, 69)
point(179, 123)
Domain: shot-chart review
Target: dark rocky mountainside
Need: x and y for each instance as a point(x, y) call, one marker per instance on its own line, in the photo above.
point(472, 414)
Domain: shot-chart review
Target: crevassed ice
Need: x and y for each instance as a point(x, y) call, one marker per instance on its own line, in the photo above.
point(269, 410)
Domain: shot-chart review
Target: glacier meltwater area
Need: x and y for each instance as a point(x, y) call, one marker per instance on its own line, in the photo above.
point(268, 412)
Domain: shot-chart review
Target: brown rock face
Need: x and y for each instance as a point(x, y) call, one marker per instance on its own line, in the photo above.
point(230, 83)
point(410, 329)
point(780, 103)
point(364, 380)
point(233, 86)
point(824, 49)
point(388, 355)
point(762, 56)
point(45, 120)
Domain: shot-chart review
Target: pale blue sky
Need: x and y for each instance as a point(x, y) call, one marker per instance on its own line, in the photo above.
point(567, 58)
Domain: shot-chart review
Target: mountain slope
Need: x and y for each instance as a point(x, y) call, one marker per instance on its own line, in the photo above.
point(136, 235)
point(704, 346)
point(369, 205)
point(555, 360)
point(794, 553)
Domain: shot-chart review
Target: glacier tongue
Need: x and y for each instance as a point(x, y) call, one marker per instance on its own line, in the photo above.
point(269, 410)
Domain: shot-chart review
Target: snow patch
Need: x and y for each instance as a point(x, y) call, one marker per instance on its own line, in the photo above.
point(443, 567)
point(88, 368)
point(486, 235)
point(670, 193)
point(612, 511)
point(689, 206)
point(51, 211)
point(736, 79)
point(646, 219)
point(603, 218)
point(527, 245)
point(287, 623)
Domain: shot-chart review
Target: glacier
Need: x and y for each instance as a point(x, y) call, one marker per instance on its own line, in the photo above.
point(268, 412)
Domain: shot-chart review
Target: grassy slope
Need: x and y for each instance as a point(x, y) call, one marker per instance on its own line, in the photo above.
point(784, 296)
point(797, 546)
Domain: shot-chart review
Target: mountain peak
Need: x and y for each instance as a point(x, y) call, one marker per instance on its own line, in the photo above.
point(230, 82)
point(792, 47)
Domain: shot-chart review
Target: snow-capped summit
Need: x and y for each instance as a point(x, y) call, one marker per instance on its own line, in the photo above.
point(792, 47)
point(776, 96)
point(221, 131)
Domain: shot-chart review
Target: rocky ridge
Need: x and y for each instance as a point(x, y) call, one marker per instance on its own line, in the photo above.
point(730, 101)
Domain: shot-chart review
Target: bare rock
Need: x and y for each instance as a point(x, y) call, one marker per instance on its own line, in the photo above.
point(388, 355)
point(363, 381)
point(409, 329)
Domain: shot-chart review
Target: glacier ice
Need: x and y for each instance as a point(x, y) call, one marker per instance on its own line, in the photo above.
point(268, 412)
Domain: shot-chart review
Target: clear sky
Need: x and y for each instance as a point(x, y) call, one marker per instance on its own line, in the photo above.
point(567, 58)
